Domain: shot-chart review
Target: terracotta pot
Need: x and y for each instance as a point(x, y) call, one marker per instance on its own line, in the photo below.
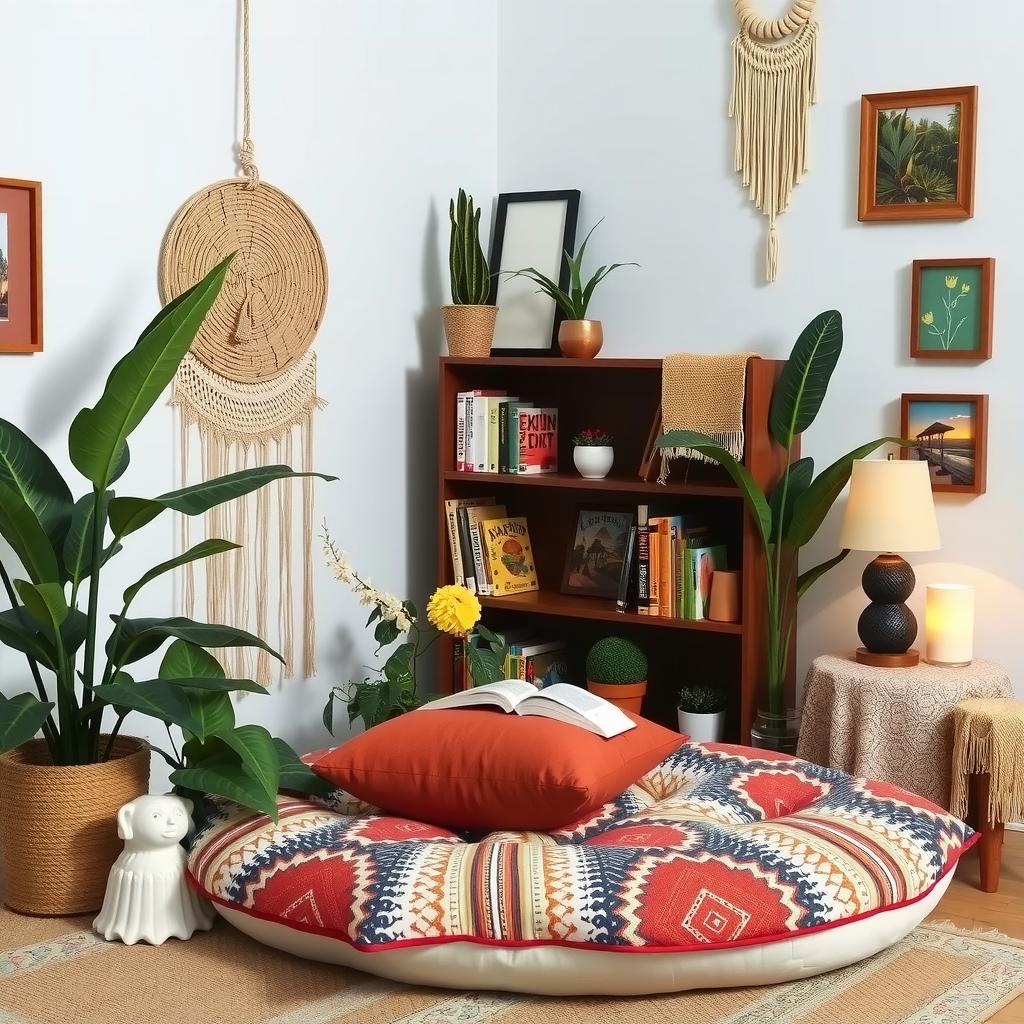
point(58, 835)
point(628, 696)
point(580, 339)
point(469, 329)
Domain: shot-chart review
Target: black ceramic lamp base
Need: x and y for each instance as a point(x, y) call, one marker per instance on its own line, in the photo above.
point(887, 627)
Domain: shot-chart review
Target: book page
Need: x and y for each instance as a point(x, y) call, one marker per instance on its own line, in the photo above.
point(506, 694)
point(601, 716)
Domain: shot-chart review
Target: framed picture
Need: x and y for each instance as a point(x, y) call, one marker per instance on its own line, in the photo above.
point(21, 266)
point(917, 154)
point(531, 229)
point(951, 309)
point(951, 432)
point(594, 560)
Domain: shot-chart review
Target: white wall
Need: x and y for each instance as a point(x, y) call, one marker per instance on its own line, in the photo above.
point(370, 114)
point(627, 102)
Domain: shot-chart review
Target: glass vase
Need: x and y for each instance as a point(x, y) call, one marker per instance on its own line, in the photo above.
point(776, 731)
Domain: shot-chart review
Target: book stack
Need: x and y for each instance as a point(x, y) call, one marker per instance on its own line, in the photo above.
point(529, 656)
point(500, 433)
point(668, 566)
point(490, 550)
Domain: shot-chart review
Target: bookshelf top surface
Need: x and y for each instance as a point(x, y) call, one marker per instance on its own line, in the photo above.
point(554, 362)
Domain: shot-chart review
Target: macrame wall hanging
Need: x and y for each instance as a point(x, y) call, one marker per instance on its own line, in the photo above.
point(247, 392)
point(774, 83)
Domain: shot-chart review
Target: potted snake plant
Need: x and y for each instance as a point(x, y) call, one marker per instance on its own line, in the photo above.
point(469, 318)
point(59, 793)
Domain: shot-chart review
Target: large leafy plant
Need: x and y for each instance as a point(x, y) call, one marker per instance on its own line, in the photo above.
point(790, 515)
point(63, 544)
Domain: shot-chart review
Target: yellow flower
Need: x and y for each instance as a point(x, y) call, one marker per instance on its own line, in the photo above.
point(951, 281)
point(928, 318)
point(453, 610)
point(964, 288)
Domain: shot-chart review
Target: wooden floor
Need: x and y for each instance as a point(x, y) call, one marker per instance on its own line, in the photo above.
point(968, 907)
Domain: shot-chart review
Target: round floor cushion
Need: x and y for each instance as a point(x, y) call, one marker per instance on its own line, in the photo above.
point(722, 866)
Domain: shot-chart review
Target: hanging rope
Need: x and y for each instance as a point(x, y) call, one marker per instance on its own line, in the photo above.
point(246, 148)
point(773, 88)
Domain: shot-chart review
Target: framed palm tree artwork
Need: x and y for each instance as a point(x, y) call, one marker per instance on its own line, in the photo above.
point(917, 154)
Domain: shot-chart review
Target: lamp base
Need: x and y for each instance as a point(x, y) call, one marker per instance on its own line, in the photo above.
point(908, 659)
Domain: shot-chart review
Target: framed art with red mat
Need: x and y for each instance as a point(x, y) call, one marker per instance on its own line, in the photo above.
point(21, 266)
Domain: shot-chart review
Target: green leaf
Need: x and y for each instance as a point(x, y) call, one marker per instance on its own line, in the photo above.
point(807, 579)
point(297, 776)
point(223, 775)
point(21, 528)
point(213, 712)
point(21, 718)
point(27, 469)
point(204, 549)
point(755, 499)
point(810, 509)
point(140, 637)
point(73, 631)
point(800, 474)
point(328, 715)
point(20, 632)
point(401, 661)
point(255, 747)
point(77, 547)
point(484, 665)
point(602, 273)
point(98, 435)
point(44, 601)
point(801, 386)
point(387, 632)
point(158, 698)
point(184, 660)
point(126, 515)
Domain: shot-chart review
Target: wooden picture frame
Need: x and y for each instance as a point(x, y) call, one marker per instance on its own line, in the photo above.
point(947, 458)
point(961, 205)
point(21, 283)
point(589, 572)
point(531, 229)
point(933, 332)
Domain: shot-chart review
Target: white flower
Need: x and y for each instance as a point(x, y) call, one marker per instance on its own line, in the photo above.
point(403, 622)
point(368, 595)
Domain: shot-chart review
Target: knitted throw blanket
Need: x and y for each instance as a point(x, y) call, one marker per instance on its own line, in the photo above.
point(989, 737)
point(705, 393)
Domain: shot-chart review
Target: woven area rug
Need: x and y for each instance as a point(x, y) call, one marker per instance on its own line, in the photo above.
point(55, 971)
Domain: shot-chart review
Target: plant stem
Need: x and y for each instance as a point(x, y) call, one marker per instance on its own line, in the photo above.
point(174, 746)
point(89, 667)
point(113, 736)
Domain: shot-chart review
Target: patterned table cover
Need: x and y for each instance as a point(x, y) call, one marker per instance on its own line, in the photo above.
point(894, 724)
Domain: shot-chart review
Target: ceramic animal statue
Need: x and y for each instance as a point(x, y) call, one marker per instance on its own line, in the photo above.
point(148, 898)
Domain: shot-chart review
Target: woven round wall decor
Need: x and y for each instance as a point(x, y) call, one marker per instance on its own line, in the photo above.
point(274, 296)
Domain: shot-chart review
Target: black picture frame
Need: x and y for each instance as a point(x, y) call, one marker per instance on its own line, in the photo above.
point(603, 583)
point(571, 197)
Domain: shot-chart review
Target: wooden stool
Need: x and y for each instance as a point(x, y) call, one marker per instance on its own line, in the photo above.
point(988, 773)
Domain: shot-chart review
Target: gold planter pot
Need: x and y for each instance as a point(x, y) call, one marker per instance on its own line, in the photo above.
point(58, 833)
point(580, 339)
point(469, 329)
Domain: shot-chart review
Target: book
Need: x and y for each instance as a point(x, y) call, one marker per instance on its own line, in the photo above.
point(538, 440)
point(563, 702)
point(508, 434)
point(689, 535)
point(475, 515)
point(654, 552)
point(509, 556)
point(460, 432)
point(643, 561)
point(451, 510)
point(545, 664)
point(476, 428)
point(466, 550)
point(626, 595)
point(699, 564)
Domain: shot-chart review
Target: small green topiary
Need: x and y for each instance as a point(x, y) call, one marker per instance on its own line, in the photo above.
point(701, 700)
point(616, 660)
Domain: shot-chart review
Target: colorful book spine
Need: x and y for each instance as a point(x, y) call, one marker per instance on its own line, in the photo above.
point(627, 578)
point(466, 550)
point(460, 432)
point(643, 561)
point(701, 563)
point(654, 564)
point(513, 433)
point(538, 440)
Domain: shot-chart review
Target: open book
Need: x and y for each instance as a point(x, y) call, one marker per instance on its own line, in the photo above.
point(562, 702)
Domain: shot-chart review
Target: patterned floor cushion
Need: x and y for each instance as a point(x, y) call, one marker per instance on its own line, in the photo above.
point(722, 866)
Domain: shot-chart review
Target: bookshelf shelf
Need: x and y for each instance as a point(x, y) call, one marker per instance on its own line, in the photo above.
point(622, 396)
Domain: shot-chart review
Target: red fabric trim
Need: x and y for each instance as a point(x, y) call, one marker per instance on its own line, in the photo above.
point(691, 947)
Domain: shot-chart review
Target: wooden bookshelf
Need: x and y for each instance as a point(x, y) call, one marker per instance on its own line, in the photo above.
point(622, 396)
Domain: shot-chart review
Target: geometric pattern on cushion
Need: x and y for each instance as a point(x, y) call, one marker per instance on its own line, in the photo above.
point(718, 845)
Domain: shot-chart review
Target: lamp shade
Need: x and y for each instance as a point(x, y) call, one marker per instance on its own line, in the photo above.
point(890, 507)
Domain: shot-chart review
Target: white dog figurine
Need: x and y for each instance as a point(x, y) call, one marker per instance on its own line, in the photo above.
point(148, 898)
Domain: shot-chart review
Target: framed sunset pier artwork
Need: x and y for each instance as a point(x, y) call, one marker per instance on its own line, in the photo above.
point(950, 433)
point(21, 266)
point(951, 309)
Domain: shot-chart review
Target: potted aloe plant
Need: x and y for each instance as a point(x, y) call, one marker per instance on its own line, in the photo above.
point(58, 794)
point(578, 337)
point(617, 671)
point(469, 319)
point(789, 516)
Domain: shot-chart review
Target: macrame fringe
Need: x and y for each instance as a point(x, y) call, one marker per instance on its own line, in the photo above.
point(242, 425)
point(773, 88)
point(998, 753)
point(731, 440)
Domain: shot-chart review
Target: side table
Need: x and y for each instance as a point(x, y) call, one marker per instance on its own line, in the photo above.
point(893, 724)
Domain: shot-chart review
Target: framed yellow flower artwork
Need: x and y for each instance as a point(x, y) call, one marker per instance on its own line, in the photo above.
point(951, 309)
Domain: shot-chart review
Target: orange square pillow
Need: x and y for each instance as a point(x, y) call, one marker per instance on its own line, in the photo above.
point(478, 768)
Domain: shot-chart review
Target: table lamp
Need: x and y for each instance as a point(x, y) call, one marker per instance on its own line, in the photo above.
point(890, 509)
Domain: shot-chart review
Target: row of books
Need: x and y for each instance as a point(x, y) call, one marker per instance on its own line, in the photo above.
point(531, 657)
point(491, 551)
point(667, 567)
point(500, 433)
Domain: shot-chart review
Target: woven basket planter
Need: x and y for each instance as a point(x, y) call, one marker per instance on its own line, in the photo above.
point(469, 329)
point(58, 835)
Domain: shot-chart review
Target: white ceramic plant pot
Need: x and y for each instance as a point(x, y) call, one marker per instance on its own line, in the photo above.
point(593, 461)
point(701, 728)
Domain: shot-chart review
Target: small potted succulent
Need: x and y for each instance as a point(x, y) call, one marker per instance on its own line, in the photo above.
point(578, 337)
point(701, 711)
point(593, 453)
point(469, 319)
point(617, 671)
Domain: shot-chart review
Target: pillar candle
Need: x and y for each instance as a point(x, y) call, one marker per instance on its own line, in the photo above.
point(949, 624)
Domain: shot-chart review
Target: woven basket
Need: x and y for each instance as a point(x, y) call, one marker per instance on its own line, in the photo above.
point(58, 835)
point(470, 329)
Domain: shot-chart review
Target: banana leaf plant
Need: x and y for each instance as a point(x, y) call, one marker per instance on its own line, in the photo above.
point(61, 546)
point(790, 515)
